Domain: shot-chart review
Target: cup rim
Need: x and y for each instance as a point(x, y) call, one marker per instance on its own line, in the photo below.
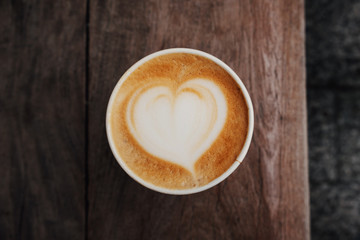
point(217, 180)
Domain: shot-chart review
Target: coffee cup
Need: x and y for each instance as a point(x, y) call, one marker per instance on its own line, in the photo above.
point(179, 121)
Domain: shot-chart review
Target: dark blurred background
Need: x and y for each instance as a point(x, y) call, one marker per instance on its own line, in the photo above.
point(333, 98)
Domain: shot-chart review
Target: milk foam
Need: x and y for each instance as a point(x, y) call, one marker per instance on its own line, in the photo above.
point(178, 121)
point(177, 125)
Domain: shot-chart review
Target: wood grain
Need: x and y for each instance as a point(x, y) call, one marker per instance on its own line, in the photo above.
point(42, 119)
point(263, 41)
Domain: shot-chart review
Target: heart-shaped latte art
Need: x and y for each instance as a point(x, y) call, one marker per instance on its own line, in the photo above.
point(177, 125)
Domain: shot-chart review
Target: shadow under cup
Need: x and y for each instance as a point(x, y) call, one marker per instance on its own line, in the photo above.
point(226, 173)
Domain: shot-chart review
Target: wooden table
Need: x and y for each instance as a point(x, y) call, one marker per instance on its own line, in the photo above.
point(59, 63)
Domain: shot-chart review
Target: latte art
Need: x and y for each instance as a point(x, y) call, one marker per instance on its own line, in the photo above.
point(177, 121)
point(177, 125)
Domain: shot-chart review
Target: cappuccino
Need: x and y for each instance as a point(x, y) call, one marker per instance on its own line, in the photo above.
point(178, 121)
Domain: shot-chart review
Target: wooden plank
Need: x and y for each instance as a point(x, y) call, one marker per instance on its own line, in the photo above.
point(42, 102)
point(263, 41)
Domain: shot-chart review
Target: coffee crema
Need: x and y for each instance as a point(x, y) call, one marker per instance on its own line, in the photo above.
point(179, 121)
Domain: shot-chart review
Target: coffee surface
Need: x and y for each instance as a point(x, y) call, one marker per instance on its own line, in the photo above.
point(179, 121)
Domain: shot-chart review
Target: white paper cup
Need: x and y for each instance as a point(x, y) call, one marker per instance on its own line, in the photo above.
point(221, 177)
